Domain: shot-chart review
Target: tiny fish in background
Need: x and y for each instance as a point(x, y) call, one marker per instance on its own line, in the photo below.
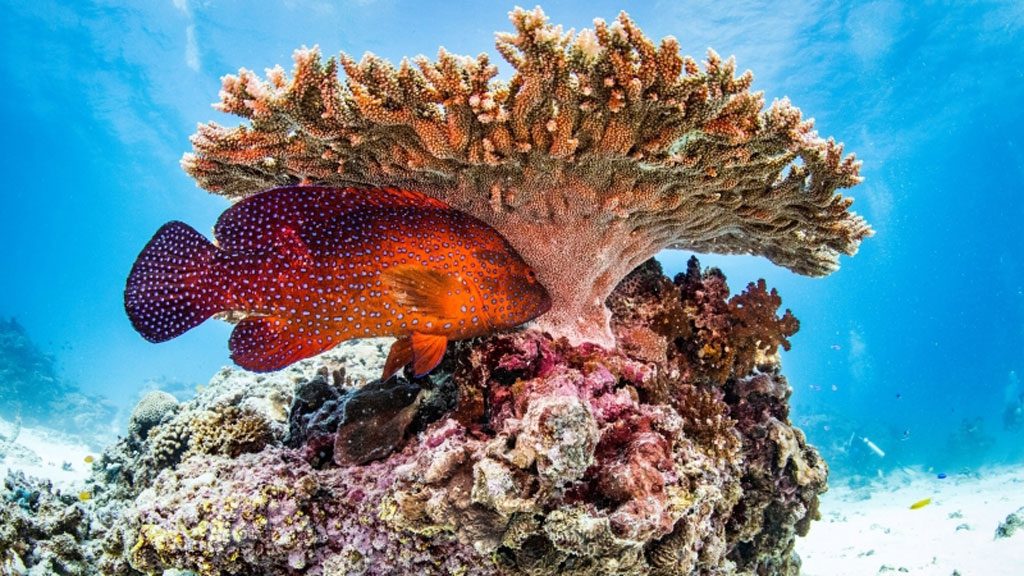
point(308, 267)
point(920, 504)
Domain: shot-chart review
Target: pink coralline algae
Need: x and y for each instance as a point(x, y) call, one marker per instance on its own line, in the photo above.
point(525, 455)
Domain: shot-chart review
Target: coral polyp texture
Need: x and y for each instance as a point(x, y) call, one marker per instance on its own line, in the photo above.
point(601, 150)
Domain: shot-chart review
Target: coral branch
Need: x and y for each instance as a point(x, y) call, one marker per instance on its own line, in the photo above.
point(601, 150)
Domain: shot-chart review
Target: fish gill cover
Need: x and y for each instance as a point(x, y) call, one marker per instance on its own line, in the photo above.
point(602, 150)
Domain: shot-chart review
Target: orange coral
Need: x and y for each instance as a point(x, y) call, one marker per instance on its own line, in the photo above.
point(602, 150)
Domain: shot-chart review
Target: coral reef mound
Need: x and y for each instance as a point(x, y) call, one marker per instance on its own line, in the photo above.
point(521, 454)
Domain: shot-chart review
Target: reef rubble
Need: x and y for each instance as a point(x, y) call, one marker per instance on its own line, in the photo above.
point(521, 454)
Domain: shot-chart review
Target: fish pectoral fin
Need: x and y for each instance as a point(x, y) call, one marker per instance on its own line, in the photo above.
point(268, 343)
point(399, 355)
point(427, 352)
point(429, 292)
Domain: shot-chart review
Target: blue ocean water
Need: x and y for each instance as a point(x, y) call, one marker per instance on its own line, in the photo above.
point(916, 343)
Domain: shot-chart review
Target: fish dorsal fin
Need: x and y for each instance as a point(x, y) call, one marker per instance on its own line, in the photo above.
point(425, 351)
point(268, 343)
point(429, 292)
point(258, 221)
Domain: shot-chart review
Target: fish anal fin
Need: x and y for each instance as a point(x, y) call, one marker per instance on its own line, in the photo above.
point(427, 352)
point(399, 355)
point(429, 292)
point(268, 343)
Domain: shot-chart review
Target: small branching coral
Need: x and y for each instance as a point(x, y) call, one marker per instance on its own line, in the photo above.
point(602, 150)
point(692, 322)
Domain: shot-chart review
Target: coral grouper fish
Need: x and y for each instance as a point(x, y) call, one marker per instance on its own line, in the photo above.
point(308, 267)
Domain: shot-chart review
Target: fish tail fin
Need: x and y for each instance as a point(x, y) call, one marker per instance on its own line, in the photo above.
point(171, 288)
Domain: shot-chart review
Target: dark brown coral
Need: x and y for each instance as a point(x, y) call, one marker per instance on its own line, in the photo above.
point(708, 336)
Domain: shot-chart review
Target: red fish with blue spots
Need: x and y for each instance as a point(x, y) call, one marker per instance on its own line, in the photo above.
point(309, 267)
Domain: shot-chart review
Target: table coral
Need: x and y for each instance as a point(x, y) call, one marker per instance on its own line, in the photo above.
point(570, 460)
point(601, 150)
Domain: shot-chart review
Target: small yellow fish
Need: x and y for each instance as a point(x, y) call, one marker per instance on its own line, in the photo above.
point(85, 495)
point(89, 459)
point(920, 504)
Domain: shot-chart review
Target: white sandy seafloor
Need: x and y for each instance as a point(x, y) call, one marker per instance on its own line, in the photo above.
point(872, 530)
point(863, 531)
point(44, 453)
